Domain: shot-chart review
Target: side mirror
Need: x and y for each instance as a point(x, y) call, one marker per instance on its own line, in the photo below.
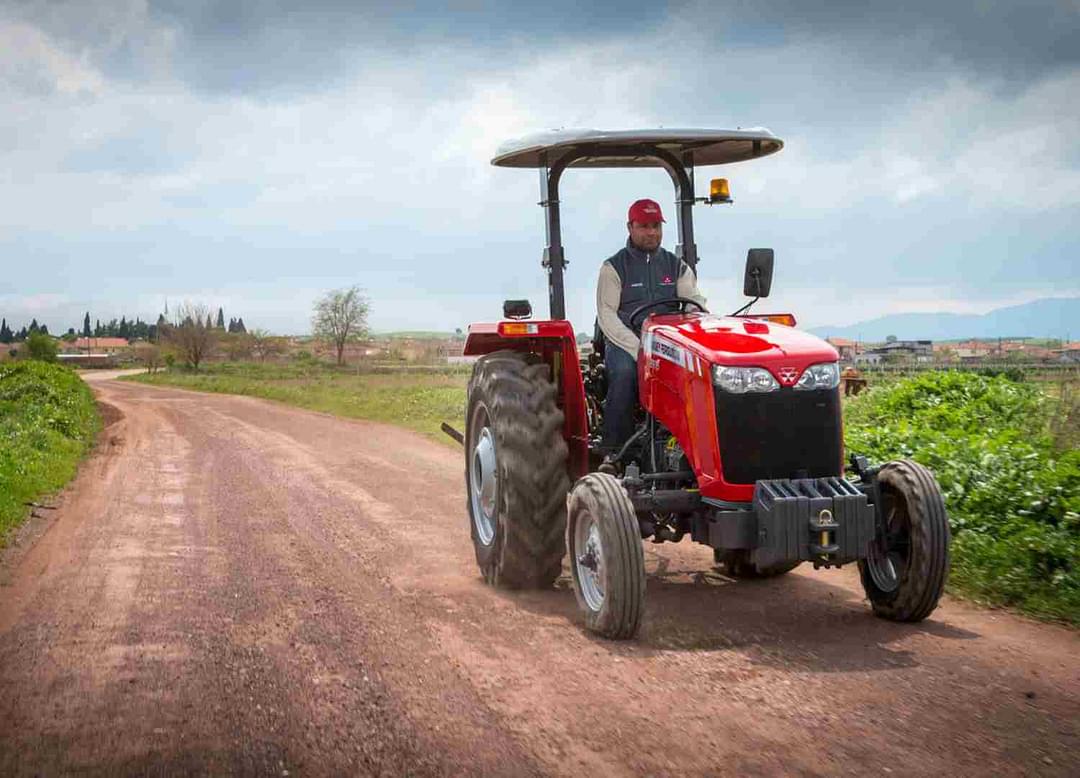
point(758, 278)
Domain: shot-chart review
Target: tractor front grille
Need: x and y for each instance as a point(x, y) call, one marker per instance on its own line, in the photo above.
point(780, 434)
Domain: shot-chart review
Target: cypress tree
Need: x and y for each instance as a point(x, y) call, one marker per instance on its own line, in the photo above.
point(86, 325)
point(5, 333)
point(240, 326)
point(221, 319)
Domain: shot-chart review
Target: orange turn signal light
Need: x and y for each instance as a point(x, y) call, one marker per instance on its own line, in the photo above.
point(719, 191)
point(517, 328)
point(787, 319)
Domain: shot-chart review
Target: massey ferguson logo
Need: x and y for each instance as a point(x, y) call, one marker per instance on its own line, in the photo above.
point(788, 375)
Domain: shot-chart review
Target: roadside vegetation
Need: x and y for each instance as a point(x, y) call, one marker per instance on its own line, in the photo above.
point(420, 401)
point(1005, 452)
point(1006, 455)
point(48, 420)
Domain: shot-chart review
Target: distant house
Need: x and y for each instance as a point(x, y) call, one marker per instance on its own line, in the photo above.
point(1068, 354)
point(847, 348)
point(902, 351)
point(972, 350)
point(95, 346)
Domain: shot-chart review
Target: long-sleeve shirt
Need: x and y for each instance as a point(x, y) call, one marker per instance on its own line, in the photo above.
point(609, 294)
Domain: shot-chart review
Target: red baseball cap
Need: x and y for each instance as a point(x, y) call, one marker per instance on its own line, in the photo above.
point(645, 212)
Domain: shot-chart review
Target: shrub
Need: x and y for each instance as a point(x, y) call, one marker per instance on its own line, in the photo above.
point(47, 421)
point(41, 347)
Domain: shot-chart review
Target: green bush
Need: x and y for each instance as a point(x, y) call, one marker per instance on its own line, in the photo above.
point(41, 347)
point(47, 421)
point(1013, 497)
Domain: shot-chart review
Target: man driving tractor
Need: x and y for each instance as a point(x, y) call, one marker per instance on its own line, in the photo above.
point(642, 272)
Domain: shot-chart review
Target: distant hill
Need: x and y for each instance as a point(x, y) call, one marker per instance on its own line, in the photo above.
point(1049, 318)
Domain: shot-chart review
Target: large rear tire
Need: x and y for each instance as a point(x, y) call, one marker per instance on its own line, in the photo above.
point(904, 574)
point(737, 564)
point(606, 559)
point(515, 471)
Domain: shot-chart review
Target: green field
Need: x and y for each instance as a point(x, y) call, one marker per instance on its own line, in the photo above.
point(1005, 451)
point(48, 420)
point(420, 401)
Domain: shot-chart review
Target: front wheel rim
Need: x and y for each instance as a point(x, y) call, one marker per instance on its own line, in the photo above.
point(589, 562)
point(888, 552)
point(484, 482)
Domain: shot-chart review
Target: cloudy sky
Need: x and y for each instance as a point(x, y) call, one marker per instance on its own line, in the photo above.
point(255, 154)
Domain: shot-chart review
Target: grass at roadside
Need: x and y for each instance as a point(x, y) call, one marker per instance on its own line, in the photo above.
point(419, 401)
point(47, 422)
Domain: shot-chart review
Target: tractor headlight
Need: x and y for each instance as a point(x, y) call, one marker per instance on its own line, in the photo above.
point(825, 375)
point(740, 380)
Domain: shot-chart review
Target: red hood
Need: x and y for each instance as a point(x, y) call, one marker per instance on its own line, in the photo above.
point(727, 340)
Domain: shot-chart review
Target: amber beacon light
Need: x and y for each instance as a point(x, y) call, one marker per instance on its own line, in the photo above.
point(719, 192)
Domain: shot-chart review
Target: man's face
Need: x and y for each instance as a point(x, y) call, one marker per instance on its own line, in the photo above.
point(646, 236)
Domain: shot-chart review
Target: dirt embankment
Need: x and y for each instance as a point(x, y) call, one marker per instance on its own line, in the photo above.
point(236, 586)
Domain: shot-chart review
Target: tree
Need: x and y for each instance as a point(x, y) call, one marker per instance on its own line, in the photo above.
point(221, 319)
point(240, 326)
point(6, 335)
point(193, 333)
point(86, 331)
point(41, 346)
point(340, 316)
point(150, 356)
point(237, 346)
point(264, 345)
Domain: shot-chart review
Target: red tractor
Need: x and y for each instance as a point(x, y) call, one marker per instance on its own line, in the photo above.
point(739, 442)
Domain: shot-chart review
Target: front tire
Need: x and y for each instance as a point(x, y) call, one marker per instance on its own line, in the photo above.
point(606, 559)
point(904, 574)
point(515, 471)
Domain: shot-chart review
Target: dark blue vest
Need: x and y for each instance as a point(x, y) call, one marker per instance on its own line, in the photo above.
point(645, 278)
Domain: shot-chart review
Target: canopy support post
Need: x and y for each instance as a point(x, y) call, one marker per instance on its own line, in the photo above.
point(554, 261)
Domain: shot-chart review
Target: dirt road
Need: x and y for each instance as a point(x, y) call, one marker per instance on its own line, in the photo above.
point(237, 586)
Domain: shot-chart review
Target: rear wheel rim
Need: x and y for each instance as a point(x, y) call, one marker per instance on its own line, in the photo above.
point(589, 562)
point(484, 481)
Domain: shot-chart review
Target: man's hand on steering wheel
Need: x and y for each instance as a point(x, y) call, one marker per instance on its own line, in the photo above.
point(641, 310)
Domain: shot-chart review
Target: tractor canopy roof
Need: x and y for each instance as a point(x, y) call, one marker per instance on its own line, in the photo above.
point(629, 148)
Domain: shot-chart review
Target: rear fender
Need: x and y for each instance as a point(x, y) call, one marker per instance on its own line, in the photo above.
point(553, 342)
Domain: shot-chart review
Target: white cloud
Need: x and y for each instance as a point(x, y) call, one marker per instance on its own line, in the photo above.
point(398, 152)
point(32, 63)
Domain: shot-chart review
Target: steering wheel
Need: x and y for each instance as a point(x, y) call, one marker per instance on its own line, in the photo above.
point(642, 309)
